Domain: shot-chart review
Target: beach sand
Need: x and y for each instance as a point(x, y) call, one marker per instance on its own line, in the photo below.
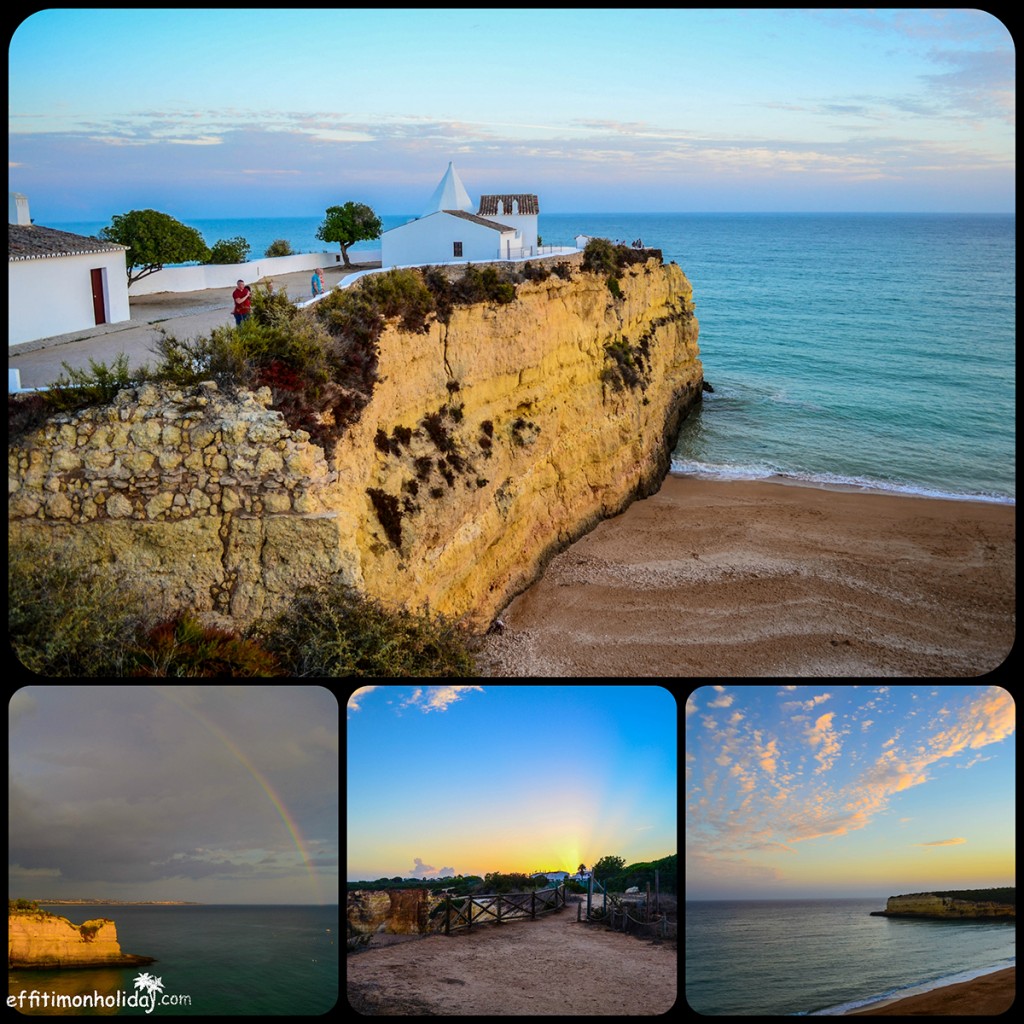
point(987, 996)
point(551, 966)
point(730, 578)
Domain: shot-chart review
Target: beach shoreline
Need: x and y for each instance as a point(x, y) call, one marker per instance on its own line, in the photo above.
point(772, 578)
point(985, 996)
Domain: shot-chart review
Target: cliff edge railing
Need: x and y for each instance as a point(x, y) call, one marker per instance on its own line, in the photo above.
point(500, 907)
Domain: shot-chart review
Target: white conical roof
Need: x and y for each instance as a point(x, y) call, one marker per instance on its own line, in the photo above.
point(450, 194)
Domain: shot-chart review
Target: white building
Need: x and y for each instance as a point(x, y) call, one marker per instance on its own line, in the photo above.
point(58, 282)
point(504, 227)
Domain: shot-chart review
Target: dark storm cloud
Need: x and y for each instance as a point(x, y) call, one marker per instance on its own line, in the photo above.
point(113, 788)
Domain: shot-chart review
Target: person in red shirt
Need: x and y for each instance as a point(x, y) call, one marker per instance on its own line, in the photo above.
point(243, 302)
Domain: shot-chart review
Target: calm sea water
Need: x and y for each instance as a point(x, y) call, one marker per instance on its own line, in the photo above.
point(256, 960)
point(870, 349)
point(762, 957)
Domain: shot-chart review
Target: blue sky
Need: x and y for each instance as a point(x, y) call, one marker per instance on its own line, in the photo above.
point(468, 779)
point(813, 791)
point(283, 112)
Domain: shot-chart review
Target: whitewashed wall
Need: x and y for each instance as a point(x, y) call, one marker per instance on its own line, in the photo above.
point(224, 275)
point(430, 240)
point(54, 295)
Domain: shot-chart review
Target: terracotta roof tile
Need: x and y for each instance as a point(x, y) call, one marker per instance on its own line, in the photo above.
point(489, 205)
point(31, 242)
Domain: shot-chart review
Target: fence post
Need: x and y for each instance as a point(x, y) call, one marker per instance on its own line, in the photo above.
point(533, 905)
point(647, 904)
point(657, 893)
point(470, 925)
point(448, 915)
point(499, 909)
point(590, 893)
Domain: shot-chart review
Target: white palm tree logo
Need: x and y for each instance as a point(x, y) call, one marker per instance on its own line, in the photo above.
point(151, 984)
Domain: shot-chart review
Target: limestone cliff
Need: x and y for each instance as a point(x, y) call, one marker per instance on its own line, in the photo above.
point(391, 912)
point(929, 905)
point(490, 443)
point(41, 940)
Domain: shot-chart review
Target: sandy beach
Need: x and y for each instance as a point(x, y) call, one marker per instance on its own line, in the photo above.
point(714, 578)
point(987, 996)
point(525, 968)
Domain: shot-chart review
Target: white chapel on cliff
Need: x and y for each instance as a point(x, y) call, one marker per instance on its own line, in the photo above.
point(448, 231)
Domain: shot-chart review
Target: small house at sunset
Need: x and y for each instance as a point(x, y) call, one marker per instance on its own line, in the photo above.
point(59, 282)
point(448, 231)
point(553, 877)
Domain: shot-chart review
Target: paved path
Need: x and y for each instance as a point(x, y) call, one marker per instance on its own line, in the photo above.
point(184, 314)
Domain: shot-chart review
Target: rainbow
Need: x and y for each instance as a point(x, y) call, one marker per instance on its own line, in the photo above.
point(264, 783)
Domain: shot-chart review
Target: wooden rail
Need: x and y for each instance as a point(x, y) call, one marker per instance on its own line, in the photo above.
point(513, 906)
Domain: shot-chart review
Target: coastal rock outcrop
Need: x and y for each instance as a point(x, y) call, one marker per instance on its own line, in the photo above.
point(926, 904)
point(490, 443)
point(41, 940)
point(392, 912)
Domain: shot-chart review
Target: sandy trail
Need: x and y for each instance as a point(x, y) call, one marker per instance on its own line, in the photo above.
point(525, 967)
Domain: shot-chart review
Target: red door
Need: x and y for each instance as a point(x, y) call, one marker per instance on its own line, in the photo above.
point(99, 306)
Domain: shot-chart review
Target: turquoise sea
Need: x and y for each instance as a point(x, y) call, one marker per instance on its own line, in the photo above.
point(242, 961)
point(768, 957)
point(863, 349)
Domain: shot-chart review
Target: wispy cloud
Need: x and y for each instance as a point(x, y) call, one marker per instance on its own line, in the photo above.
point(438, 698)
point(357, 696)
point(943, 842)
point(826, 740)
point(758, 786)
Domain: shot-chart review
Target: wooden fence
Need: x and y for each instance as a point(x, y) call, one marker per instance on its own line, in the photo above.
point(499, 907)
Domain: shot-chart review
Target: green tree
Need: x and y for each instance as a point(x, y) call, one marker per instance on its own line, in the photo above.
point(229, 250)
point(607, 866)
point(349, 224)
point(279, 247)
point(153, 239)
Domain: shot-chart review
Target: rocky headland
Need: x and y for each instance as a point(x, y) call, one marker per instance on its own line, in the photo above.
point(954, 905)
point(491, 441)
point(38, 940)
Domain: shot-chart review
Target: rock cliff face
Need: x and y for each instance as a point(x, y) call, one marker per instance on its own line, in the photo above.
point(41, 940)
point(925, 904)
point(489, 444)
point(392, 912)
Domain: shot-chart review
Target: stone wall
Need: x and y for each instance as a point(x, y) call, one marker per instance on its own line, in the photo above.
point(184, 488)
point(489, 444)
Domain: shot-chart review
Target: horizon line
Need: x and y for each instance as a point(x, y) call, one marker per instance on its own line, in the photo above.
point(638, 213)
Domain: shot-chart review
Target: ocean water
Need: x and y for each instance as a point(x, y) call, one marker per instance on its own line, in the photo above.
point(761, 957)
point(244, 960)
point(859, 349)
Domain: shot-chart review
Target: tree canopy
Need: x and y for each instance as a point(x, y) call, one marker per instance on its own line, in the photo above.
point(229, 250)
point(153, 239)
point(349, 224)
point(279, 247)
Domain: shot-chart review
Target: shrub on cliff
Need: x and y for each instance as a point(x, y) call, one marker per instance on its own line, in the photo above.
point(331, 630)
point(64, 619)
point(182, 647)
point(599, 257)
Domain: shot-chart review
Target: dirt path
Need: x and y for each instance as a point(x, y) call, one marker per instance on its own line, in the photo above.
point(544, 967)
